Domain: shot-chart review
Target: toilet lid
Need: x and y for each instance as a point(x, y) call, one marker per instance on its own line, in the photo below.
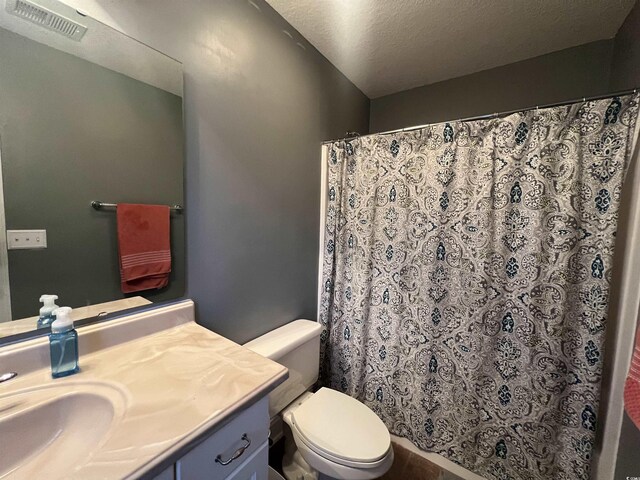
point(342, 427)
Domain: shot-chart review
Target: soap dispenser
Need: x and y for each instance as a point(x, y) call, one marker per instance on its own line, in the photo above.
point(47, 317)
point(63, 344)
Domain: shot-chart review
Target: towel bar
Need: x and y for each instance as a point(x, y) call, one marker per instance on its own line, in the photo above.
point(98, 205)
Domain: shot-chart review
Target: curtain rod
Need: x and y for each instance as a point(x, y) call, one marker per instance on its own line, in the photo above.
point(350, 135)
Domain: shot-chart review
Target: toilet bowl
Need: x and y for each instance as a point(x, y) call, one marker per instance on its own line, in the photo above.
point(337, 436)
point(329, 435)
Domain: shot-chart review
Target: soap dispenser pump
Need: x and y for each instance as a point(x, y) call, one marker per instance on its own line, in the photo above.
point(47, 317)
point(63, 343)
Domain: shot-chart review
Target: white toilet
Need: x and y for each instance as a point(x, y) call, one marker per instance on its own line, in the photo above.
point(329, 434)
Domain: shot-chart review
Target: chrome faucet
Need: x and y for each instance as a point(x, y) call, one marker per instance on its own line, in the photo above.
point(5, 377)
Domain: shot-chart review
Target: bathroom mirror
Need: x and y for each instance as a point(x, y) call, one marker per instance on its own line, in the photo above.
point(86, 114)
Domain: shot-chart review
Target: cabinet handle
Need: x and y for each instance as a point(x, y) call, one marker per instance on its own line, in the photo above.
point(237, 454)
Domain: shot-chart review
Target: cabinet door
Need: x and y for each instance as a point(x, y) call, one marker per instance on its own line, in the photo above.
point(220, 455)
point(166, 475)
point(255, 467)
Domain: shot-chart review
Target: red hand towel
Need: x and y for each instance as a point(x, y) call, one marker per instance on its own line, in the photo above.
point(144, 246)
point(632, 385)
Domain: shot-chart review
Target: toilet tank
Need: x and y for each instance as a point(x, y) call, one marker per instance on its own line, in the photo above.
point(295, 345)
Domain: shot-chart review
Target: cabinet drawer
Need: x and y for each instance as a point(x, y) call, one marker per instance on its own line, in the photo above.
point(241, 437)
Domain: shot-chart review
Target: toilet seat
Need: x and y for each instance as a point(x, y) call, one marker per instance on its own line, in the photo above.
point(341, 429)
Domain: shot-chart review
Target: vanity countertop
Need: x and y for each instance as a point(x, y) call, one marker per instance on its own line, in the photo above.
point(170, 388)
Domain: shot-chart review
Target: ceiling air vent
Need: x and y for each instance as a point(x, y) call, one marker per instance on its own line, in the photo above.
point(46, 18)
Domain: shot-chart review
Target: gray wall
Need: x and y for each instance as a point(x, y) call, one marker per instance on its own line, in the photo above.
point(625, 68)
point(71, 132)
point(558, 76)
point(258, 103)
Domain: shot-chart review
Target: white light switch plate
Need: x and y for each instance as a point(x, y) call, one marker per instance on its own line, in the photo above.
point(26, 239)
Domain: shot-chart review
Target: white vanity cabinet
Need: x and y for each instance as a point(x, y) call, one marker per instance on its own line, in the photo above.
point(236, 451)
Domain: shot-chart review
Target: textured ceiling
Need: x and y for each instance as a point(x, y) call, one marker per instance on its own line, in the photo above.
point(385, 46)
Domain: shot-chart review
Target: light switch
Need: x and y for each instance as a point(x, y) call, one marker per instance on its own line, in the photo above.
point(26, 239)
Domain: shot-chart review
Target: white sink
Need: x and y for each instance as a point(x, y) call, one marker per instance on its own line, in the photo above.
point(54, 429)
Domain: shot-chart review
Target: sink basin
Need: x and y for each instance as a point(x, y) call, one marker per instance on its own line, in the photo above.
point(53, 429)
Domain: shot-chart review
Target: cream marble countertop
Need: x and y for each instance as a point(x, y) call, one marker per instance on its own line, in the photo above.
point(170, 387)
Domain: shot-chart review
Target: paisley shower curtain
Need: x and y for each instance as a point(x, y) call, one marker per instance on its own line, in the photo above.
point(466, 277)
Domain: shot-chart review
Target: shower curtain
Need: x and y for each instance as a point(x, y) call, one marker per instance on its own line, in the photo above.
point(465, 282)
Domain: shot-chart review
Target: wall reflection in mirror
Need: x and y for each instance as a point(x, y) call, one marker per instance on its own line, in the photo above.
point(86, 113)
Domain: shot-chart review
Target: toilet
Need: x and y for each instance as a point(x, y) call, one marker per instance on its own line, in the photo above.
point(328, 435)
